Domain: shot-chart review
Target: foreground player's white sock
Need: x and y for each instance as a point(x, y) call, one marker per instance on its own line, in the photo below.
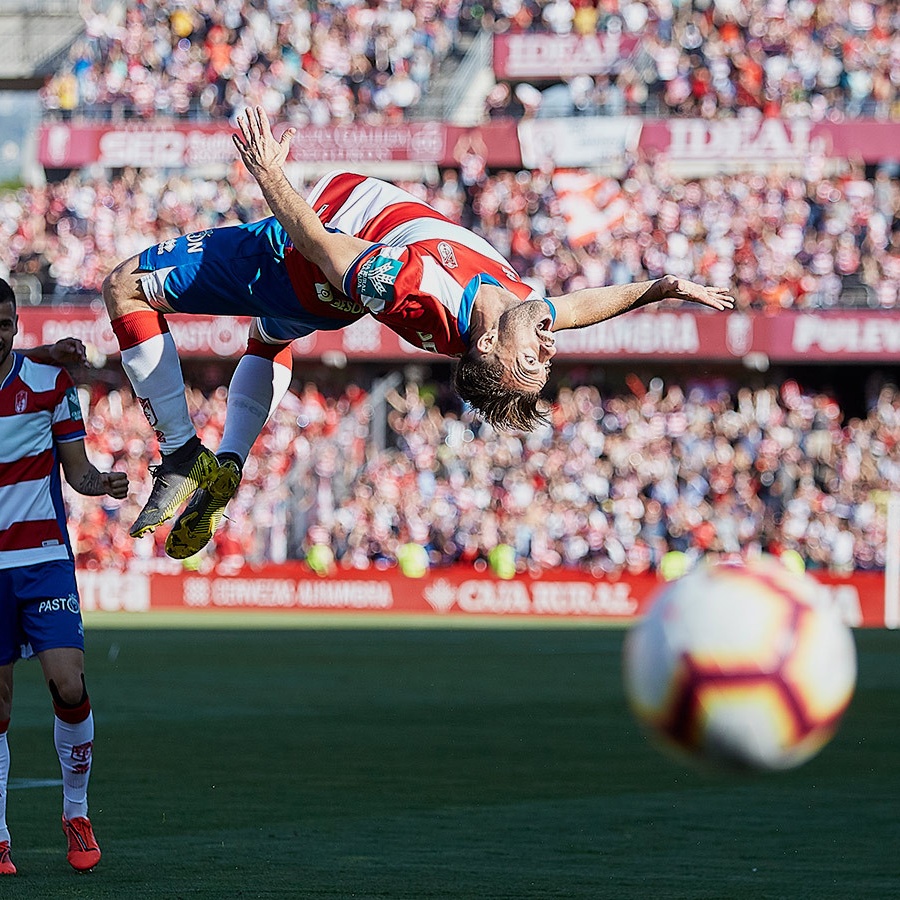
point(257, 387)
point(150, 360)
point(73, 734)
point(4, 778)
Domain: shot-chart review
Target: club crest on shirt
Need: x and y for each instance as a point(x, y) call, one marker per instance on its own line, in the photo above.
point(21, 401)
point(448, 257)
point(375, 280)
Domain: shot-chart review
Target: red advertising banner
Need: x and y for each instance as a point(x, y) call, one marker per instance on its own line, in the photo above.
point(520, 57)
point(715, 145)
point(665, 335)
point(181, 145)
point(441, 593)
point(690, 145)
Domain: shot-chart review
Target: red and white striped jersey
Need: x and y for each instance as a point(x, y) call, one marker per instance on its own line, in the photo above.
point(421, 278)
point(39, 407)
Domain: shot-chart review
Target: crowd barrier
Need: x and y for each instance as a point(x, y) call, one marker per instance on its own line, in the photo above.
point(449, 592)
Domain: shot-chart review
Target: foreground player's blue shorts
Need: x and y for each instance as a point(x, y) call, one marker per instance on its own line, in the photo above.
point(39, 609)
point(237, 270)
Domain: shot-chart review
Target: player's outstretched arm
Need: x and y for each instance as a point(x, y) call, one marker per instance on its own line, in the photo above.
point(592, 305)
point(264, 158)
point(84, 476)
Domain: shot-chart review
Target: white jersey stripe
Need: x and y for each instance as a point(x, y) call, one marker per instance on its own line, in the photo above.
point(29, 435)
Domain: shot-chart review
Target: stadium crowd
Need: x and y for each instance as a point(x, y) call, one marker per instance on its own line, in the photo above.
point(313, 64)
point(783, 241)
point(609, 485)
point(370, 61)
point(783, 57)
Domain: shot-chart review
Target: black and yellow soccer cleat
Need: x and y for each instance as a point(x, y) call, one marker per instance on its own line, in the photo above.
point(174, 480)
point(198, 522)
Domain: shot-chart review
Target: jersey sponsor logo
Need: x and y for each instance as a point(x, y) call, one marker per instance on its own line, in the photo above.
point(165, 247)
point(376, 278)
point(340, 303)
point(75, 413)
point(195, 240)
point(510, 274)
point(60, 604)
point(21, 401)
point(448, 257)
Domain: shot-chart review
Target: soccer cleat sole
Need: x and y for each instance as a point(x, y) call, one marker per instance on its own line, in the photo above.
point(194, 528)
point(204, 467)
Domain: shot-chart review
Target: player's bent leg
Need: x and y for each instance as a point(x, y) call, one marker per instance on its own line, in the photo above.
point(150, 360)
point(259, 383)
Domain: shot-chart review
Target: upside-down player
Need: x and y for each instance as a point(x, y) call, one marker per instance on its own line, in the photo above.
point(356, 246)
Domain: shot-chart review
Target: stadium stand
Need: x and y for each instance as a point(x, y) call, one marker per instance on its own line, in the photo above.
point(610, 486)
point(784, 241)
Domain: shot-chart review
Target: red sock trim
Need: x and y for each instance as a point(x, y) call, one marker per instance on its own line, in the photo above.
point(72, 715)
point(278, 353)
point(136, 327)
point(4, 724)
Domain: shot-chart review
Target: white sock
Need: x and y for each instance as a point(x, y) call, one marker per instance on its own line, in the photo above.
point(74, 746)
point(4, 778)
point(257, 387)
point(154, 370)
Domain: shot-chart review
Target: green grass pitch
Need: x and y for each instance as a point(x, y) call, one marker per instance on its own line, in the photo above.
point(431, 763)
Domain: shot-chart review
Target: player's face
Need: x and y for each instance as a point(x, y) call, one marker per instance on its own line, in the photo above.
point(9, 326)
point(525, 345)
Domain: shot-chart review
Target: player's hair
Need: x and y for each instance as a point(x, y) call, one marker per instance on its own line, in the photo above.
point(477, 381)
point(7, 294)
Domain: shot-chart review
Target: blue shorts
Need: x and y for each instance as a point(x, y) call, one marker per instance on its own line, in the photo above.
point(39, 610)
point(237, 270)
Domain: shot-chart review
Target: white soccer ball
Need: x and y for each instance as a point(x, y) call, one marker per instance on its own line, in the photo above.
point(741, 666)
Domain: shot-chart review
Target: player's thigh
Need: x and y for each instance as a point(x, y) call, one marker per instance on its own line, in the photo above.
point(49, 608)
point(234, 270)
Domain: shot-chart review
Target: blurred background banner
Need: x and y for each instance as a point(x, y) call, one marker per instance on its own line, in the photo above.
point(449, 592)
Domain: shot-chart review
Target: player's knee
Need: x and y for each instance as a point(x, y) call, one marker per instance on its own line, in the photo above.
point(68, 688)
point(121, 289)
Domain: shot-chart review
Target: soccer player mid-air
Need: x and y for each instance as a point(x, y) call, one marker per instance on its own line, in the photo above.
point(356, 246)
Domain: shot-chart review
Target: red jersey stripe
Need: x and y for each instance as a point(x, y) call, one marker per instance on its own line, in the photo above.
point(30, 468)
point(28, 535)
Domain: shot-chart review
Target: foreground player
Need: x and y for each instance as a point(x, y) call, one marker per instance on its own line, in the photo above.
point(40, 427)
point(357, 247)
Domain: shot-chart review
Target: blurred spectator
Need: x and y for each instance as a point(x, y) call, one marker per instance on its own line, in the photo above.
point(711, 59)
point(611, 485)
point(322, 63)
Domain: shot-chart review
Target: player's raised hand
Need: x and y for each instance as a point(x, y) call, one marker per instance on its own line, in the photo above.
point(256, 144)
point(672, 288)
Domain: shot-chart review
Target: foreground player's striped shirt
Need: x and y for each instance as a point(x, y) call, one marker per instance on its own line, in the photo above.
point(422, 277)
point(38, 408)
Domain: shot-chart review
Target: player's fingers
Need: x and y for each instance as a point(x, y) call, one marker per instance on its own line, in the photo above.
point(262, 121)
point(287, 137)
point(244, 125)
